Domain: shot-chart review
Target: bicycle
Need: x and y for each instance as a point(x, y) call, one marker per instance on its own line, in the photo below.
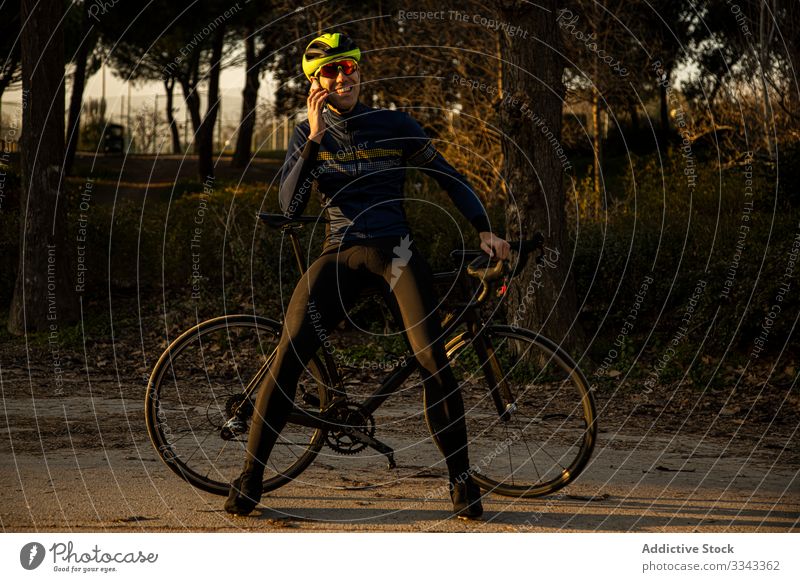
point(530, 414)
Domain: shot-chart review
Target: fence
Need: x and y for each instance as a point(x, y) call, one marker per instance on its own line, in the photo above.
point(8, 146)
point(10, 126)
point(144, 118)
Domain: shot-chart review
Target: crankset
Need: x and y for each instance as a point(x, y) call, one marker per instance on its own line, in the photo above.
point(355, 431)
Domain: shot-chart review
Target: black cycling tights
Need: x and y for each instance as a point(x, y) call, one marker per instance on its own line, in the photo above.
point(320, 302)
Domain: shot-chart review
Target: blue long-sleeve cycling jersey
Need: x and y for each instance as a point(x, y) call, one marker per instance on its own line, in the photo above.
point(360, 169)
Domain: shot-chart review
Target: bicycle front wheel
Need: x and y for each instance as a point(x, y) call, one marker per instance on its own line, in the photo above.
point(199, 404)
point(537, 434)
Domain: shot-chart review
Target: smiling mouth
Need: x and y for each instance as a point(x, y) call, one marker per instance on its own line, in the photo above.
point(344, 90)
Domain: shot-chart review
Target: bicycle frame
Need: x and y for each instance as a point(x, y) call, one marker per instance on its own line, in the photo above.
point(328, 416)
point(458, 314)
point(468, 315)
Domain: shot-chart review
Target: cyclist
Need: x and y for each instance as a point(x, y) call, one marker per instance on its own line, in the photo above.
point(357, 155)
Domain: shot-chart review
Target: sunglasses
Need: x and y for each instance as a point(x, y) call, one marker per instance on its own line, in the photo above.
point(331, 70)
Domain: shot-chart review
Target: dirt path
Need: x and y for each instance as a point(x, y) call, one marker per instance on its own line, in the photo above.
point(82, 462)
point(116, 178)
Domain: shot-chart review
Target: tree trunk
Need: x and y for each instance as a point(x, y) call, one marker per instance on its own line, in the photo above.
point(88, 42)
point(635, 124)
point(597, 146)
point(663, 89)
point(169, 86)
point(192, 103)
point(205, 133)
point(188, 81)
point(543, 296)
point(10, 62)
point(249, 99)
point(44, 298)
point(764, 42)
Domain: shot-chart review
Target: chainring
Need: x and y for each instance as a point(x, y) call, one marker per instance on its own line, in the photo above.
point(352, 416)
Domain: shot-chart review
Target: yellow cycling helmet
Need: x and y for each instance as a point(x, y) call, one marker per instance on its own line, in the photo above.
point(326, 49)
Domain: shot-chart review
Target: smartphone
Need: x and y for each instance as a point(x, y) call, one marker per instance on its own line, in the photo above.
point(315, 85)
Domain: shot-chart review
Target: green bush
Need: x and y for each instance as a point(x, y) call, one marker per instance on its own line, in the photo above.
point(208, 251)
point(660, 227)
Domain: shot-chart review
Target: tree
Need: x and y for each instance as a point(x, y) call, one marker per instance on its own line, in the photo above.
point(43, 297)
point(260, 25)
point(169, 87)
point(184, 41)
point(746, 71)
point(543, 298)
point(667, 25)
point(205, 129)
point(600, 54)
point(247, 123)
point(85, 37)
point(9, 45)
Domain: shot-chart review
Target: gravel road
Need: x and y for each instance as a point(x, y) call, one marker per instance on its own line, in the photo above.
point(83, 462)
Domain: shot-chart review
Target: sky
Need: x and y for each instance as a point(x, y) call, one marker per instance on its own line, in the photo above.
point(144, 95)
point(231, 79)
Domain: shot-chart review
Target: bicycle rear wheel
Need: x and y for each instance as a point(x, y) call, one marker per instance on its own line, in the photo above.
point(197, 388)
point(547, 437)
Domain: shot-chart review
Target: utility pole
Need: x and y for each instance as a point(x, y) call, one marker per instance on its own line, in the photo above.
point(103, 98)
point(185, 126)
point(128, 126)
point(220, 145)
point(155, 123)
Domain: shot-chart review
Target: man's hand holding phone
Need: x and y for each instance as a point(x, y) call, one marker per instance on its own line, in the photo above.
point(316, 101)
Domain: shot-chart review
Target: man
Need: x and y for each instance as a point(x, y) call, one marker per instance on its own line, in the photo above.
point(357, 156)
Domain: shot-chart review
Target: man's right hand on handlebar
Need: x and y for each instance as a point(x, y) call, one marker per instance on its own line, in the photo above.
point(494, 246)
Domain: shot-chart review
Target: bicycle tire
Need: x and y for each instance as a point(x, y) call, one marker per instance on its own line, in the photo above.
point(555, 414)
point(193, 389)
